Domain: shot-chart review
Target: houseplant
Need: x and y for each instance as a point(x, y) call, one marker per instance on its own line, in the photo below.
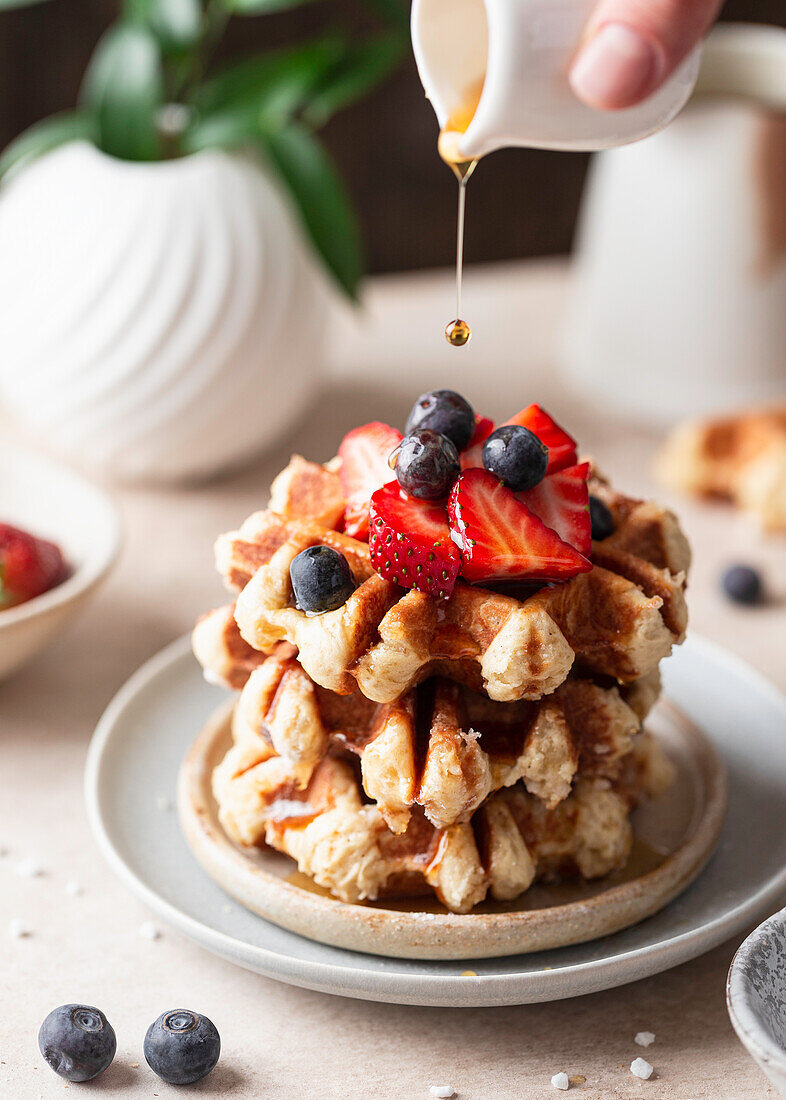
point(171, 246)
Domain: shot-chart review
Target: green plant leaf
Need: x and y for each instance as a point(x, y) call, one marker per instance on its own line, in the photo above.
point(278, 82)
point(395, 12)
point(319, 194)
point(260, 7)
point(177, 24)
point(365, 65)
point(124, 88)
point(45, 135)
point(223, 130)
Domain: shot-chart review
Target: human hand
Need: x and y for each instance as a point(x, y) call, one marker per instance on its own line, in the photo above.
point(631, 47)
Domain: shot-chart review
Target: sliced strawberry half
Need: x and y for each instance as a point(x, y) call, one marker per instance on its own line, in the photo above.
point(364, 454)
point(561, 500)
point(410, 542)
point(500, 539)
point(472, 456)
point(562, 447)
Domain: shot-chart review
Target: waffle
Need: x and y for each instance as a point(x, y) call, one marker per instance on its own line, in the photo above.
point(226, 658)
point(512, 840)
point(306, 490)
point(620, 619)
point(441, 746)
point(738, 458)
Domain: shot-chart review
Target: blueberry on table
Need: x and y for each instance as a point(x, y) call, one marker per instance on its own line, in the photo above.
point(77, 1041)
point(427, 464)
point(516, 456)
point(182, 1047)
point(742, 584)
point(445, 412)
point(321, 579)
point(602, 520)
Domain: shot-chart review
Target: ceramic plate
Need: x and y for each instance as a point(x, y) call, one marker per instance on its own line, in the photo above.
point(142, 739)
point(675, 836)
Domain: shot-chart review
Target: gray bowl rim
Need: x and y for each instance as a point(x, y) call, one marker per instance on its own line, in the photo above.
point(738, 998)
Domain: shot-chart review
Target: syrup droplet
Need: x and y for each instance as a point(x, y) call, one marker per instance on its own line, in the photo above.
point(458, 333)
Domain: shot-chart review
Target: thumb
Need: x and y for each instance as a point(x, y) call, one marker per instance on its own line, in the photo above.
point(631, 47)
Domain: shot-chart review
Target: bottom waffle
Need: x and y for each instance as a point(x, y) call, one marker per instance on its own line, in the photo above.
point(512, 840)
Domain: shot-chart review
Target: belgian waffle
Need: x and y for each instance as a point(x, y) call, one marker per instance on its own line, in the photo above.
point(619, 619)
point(442, 746)
point(512, 839)
point(738, 458)
point(226, 658)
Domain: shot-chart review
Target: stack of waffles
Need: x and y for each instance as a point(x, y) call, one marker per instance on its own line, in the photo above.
point(403, 745)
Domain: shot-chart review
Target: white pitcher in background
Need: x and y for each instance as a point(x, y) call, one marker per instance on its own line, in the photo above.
point(679, 298)
point(519, 53)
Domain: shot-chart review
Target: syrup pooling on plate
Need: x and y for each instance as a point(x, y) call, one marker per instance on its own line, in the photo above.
point(458, 332)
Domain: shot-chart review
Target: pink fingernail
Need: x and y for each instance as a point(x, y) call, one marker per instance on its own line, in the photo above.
point(615, 68)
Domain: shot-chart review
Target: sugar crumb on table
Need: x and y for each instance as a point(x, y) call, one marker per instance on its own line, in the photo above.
point(644, 1038)
point(28, 868)
point(641, 1068)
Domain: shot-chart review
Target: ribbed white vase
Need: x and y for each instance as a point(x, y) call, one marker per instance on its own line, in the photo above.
point(158, 321)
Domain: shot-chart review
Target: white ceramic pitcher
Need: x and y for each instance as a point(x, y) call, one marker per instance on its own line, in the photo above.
point(679, 299)
point(520, 51)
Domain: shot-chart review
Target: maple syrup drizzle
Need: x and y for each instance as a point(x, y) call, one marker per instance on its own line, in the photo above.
point(458, 332)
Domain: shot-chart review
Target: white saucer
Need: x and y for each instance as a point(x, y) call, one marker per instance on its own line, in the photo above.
point(140, 742)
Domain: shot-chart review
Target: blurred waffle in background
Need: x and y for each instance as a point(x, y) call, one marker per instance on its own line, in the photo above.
point(739, 458)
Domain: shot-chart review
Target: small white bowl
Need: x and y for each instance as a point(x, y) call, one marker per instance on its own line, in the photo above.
point(57, 504)
point(756, 997)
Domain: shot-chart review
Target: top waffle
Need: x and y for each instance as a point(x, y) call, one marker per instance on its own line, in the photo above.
point(620, 619)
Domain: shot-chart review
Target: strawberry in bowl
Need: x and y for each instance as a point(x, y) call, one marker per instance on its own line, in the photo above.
point(29, 566)
point(59, 537)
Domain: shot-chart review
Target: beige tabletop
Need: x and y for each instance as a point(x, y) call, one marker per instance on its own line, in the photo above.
point(280, 1041)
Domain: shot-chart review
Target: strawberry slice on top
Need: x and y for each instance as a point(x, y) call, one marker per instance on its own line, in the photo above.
point(562, 447)
point(500, 539)
point(410, 543)
point(561, 500)
point(364, 454)
point(472, 456)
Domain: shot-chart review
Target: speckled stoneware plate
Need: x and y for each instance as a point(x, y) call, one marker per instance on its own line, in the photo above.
point(147, 731)
point(756, 997)
point(675, 836)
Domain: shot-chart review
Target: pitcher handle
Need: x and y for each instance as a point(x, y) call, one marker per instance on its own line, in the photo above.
point(746, 61)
